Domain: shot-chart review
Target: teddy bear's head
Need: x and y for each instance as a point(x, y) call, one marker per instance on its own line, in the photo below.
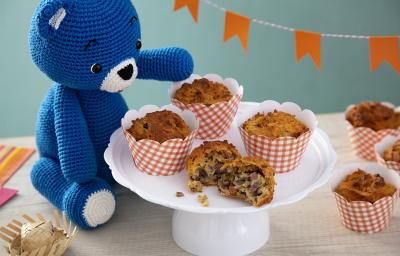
point(87, 45)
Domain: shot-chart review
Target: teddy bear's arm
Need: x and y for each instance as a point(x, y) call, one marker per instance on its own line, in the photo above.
point(165, 64)
point(75, 149)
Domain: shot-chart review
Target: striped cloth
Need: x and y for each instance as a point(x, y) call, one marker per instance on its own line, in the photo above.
point(11, 159)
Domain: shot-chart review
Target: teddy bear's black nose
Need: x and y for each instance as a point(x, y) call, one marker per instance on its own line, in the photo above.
point(126, 73)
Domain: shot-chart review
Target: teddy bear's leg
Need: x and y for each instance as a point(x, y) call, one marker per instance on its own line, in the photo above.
point(47, 178)
point(88, 205)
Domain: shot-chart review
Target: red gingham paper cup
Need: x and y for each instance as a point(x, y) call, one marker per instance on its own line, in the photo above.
point(152, 157)
point(363, 139)
point(283, 154)
point(362, 216)
point(215, 120)
point(380, 148)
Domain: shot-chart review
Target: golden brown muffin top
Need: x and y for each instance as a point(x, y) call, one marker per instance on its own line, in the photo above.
point(159, 126)
point(362, 186)
point(373, 115)
point(209, 148)
point(274, 125)
point(203, 91)
point(392, 153)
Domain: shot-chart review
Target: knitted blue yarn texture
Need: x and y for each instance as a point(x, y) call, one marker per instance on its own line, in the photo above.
point(91, 49)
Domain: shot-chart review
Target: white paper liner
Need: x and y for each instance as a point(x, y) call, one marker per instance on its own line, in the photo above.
point(363, 139)
point(360, 216)
point(380, 148)
point(283, 154)
point(216, 119)
point(156, 158)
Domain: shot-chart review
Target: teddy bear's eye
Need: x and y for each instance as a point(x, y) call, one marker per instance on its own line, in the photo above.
point(138, 44)
point(96, 68)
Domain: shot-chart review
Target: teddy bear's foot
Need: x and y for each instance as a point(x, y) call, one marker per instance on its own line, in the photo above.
point(90, 204)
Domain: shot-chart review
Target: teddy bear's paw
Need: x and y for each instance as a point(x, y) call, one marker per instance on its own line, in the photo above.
point(90, 204)
point(99, 208)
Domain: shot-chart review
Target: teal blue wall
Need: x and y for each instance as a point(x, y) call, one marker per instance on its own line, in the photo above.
point(268, 70)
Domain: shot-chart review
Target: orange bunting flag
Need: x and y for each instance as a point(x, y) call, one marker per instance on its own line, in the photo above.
point(308, 43)
point(384, 48)
point(236, 25)
point(192, 5)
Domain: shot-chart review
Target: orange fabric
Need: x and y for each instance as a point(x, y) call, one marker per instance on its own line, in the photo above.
point(384, 48)
point(13, 160)
point(308, 43)
point(192, 5)
point(236, 25)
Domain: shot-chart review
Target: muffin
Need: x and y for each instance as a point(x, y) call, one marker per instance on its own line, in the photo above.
point(368, 123)
point(373, 115)
point(212, 99)
point(392, 153)
point(204, 163)
point(278, 133)
point(159, 126)
point(203, 91)
point(366, 195)
point(274, 125)
point(248, 178)
point(362, 186)
point(159, 139)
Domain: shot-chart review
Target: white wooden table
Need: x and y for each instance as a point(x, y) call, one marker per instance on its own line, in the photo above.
point(308, 227)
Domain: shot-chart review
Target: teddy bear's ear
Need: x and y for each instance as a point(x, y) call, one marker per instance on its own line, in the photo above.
point(50, 17)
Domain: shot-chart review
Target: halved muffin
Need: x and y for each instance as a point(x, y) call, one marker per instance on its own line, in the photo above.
point(204, 163)
point(248, 178)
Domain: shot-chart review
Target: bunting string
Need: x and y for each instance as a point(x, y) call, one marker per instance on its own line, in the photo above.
point(281, 27)
point(381, 48)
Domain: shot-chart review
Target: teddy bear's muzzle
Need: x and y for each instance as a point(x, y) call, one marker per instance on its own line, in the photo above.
point(120, 77)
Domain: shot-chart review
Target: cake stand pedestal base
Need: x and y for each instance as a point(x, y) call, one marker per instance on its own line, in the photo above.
point(220, 234)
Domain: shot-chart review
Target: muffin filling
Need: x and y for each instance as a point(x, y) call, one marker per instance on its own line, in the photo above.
point(209, 171)
point(245, 182)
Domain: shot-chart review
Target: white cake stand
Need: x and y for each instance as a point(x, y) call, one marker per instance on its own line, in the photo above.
point(228, 226)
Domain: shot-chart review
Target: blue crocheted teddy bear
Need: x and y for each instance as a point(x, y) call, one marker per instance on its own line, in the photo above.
point(91, 49)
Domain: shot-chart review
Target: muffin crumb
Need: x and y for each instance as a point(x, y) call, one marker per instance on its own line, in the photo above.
point(203, 200)
point(195, 186)
point(179, 194)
